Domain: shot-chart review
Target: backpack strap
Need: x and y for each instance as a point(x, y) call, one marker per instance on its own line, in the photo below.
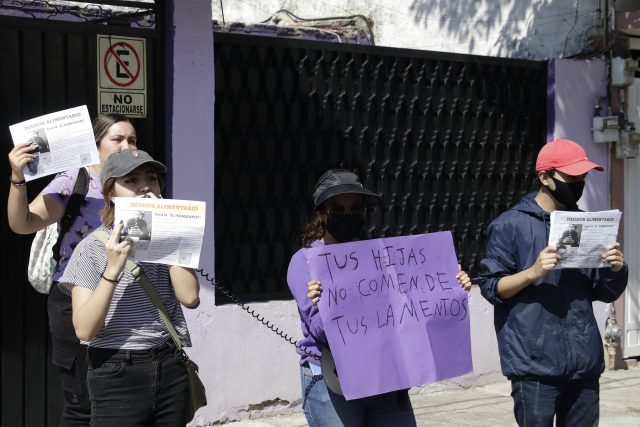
point(71, 212)
point(138, 274)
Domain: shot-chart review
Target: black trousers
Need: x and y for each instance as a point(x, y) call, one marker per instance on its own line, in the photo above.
point(71, 358)
point(138, 388)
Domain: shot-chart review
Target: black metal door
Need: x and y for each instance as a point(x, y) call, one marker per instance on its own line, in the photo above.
point(47, 66)
point(450, 141)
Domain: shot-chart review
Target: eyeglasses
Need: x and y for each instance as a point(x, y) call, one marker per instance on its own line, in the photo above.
point(337, 212)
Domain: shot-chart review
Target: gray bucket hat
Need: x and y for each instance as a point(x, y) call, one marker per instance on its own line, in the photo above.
point(342, 181)
point(124, 162)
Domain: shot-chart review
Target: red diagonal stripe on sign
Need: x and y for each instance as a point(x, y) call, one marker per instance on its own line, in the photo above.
point(120, 61)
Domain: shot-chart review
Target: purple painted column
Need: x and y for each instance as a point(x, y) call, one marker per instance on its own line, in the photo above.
point(189, 74)
point(577, 84)
point(551, 98)
point(189, 111)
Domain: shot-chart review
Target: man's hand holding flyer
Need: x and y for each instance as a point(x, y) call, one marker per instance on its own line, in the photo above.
point(163, 231)
point(582, 237)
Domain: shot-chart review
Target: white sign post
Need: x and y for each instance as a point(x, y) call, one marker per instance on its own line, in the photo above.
point(122, 75)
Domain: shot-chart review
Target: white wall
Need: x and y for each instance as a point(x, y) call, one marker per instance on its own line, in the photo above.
point(533, 29)
point(631, 340)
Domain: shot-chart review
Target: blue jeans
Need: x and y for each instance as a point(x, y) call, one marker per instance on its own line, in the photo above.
point(573, 402)
point(137, 387)
point(324, 408)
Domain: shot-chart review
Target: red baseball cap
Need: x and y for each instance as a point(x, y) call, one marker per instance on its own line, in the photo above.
point(565, 156)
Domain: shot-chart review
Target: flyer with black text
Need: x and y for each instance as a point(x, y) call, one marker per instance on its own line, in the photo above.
point(163, 231)
point(582, 237)
point(61, 141)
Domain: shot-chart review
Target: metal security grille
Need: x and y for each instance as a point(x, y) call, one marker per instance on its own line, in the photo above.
point(450, 141)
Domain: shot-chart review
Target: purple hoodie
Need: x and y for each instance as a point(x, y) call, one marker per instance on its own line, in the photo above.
point(314, 337)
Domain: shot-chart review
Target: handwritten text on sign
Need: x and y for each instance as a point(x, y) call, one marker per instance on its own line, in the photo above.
point(393, 312)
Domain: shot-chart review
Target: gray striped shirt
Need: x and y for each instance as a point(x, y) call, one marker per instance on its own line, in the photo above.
point(132, 322)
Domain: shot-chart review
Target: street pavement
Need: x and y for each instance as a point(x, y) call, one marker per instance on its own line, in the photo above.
point(487, 402)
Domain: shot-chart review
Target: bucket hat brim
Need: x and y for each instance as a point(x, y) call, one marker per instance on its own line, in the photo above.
point(369, 197)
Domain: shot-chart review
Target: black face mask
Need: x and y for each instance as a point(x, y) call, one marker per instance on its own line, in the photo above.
point(567, 193)
point(345, 229)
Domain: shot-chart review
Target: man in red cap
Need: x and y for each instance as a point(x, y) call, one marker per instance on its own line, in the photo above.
point(549, 343)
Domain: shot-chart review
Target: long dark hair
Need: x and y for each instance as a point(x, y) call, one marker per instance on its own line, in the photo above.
point(314, 230)
point(108, 211)
point(103, 122)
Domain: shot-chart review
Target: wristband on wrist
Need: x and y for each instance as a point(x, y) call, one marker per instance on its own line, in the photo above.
point(114, 281)
point(18, 183)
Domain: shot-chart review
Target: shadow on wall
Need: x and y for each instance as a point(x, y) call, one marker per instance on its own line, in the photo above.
point(526, 29)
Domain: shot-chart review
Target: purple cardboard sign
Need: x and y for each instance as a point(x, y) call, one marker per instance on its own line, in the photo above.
point(393, 312)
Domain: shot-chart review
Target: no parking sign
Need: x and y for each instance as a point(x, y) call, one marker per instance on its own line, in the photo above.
point(122, 75)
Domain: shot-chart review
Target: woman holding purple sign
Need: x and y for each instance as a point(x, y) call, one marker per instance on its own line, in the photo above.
point(340, 206)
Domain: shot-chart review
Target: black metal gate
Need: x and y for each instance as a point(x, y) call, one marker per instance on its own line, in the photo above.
point(450, 141)
point(47, 66)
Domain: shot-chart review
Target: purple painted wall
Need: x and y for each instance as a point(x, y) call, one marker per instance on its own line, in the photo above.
point(242, 364)
point(190, 101)
point(576, 84)
point(189, 74)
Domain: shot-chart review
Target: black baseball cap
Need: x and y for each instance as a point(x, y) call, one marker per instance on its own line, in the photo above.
point(124, 162)
point(342, 181)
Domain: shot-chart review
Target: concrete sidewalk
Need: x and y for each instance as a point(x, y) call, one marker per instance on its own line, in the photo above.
point(470, 403)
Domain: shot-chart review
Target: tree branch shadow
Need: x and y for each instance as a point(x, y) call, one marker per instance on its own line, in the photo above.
point(533, 30)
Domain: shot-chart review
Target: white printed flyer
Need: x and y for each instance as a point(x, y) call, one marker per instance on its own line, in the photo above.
point(582, 237)
point(163, 231)
point(61, 141)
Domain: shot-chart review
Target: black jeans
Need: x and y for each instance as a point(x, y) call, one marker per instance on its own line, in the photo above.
point(575, 403)
point(70, 357)
point(138, 387)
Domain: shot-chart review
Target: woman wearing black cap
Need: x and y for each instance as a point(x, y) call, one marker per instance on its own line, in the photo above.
point(136, 376)
point(340, 206)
